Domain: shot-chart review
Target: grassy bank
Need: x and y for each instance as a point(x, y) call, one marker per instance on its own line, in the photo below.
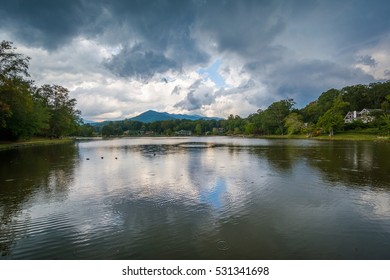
point(346, 136)
point(33, 142)
point(354, 137)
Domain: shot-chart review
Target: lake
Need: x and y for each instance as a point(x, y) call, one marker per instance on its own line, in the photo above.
point(196, 198)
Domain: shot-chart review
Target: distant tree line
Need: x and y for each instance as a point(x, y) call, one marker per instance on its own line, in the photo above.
point(322, 116)
point(165, 128)
point(27, 110)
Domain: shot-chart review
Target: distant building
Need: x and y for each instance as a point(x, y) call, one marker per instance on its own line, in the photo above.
point(363, 116)
point(184, 133)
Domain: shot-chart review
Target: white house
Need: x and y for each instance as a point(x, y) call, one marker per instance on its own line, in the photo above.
point(363, 115)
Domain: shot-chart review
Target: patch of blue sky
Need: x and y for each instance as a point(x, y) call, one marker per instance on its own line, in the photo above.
point(211, 72)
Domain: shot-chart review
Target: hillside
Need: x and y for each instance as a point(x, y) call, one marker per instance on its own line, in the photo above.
point(152, 116)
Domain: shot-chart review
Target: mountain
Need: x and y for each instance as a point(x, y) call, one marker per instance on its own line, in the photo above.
point(89, 122)
point(153, 116)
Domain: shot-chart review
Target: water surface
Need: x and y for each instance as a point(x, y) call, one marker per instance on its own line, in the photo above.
point(196, 198)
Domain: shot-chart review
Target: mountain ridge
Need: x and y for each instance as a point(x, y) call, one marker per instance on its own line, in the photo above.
point(153, 116)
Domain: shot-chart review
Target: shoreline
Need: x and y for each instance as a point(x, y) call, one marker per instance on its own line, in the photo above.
point(337, 137)
point(7, 145)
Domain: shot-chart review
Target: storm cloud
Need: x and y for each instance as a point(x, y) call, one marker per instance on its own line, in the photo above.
point(139, 55)
point(140, 63)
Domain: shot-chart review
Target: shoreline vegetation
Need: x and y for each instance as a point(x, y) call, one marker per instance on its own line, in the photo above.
point(28, 111)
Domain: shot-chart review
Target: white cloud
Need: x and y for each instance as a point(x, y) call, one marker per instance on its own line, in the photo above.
point(380, 54)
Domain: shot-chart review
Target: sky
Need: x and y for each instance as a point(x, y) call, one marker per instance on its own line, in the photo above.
point(212, 58)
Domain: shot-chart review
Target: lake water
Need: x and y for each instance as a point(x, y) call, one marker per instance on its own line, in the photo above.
point(196, 198)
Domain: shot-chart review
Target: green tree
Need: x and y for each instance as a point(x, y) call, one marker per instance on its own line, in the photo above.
point(12, 64)
point(13, 67)
point(85, 130)
point(234, 124)
point(108, 129)
point(357, 97)
point(250, 128)
point(333, 119)
point(385, 105)
point(198, 129)
point(26, 116)
point(294, 123)
point(386, 120)
point(311, 112)
point(64, 117)
point(20, 115)
point(314, 110)
point(279, 111)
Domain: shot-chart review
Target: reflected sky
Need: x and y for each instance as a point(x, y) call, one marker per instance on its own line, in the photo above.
point(196, 198)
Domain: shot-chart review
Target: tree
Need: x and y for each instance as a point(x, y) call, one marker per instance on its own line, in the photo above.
point(385, 105)
point(326, 101)
point(333, 119)
point(386, 120)
point(20, 115)
point(12, 65)
point(198, 129)
point(234, 124)
point(25, 117)
point(85, 130)
point(294, 123)
point(250, 128)
point(64, 117)
point(314, 110)
point(311, 112)
point(356, 96)
point(108, 129)
point(279, 111)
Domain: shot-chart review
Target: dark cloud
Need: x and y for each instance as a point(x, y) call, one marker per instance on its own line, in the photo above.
point(48, 24)
point(367, 60)
point(244, 27)
point(305, 80)
point(360, 22)
point(140, 63)
point(268, 40)
point(160, 27)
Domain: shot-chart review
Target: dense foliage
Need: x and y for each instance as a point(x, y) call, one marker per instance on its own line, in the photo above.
point(27, 110)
